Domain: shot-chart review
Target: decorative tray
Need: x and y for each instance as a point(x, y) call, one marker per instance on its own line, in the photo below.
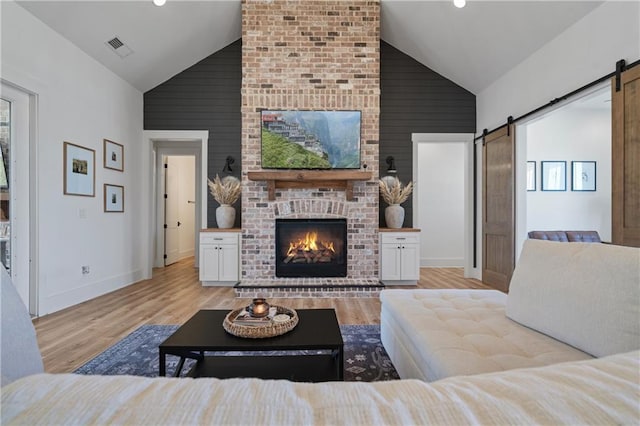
point(270, 329)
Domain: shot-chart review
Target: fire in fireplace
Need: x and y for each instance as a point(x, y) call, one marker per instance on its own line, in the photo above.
point(311, 247)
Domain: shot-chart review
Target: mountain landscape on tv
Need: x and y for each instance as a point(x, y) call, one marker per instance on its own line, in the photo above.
point(310, 139)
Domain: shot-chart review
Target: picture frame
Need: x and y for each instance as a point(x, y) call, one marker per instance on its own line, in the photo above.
point(79, 170)
point(583, 176)
point(113, 155)
point(113, 198)
point(531, 176)
point(554, 175)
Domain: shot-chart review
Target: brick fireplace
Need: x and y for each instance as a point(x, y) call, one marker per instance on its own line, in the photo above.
point(310, 55)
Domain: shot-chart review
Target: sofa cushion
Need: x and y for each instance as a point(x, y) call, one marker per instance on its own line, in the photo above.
point(549, 235)
point(587, 295)
point(583, 237)
point(433, 334)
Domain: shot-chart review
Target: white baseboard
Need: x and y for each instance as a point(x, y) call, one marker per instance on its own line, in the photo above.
point(442, 262)
point(86, 292)
point(186, 253)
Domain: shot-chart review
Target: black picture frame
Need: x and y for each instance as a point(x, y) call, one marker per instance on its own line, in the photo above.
point(553, 176)
point(583, 176)
point(531, 176)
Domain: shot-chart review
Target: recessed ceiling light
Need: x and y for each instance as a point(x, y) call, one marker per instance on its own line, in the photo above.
point(459, 3)
point(159, 2)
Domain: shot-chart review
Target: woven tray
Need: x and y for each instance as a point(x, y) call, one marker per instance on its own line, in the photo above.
point(260, 332)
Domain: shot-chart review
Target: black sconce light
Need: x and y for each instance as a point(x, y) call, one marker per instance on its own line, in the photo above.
point(227, 164)
point(391, 162)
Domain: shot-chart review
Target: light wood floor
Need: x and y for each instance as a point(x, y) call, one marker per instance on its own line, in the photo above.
point(71, 337)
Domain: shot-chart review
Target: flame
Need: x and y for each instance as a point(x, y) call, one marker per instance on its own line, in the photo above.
point(308, 243)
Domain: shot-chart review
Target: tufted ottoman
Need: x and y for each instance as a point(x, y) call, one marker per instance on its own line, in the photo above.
point(433, 334)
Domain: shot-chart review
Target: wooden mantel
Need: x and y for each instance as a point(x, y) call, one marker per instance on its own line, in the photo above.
point(341, 179)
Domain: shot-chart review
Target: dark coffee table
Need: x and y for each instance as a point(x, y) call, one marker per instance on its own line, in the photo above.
point(317, 329)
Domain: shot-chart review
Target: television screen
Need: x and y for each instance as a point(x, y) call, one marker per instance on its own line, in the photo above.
point(310, 139)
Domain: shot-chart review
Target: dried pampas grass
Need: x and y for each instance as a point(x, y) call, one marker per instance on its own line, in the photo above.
point(226, 190)
point(392, 190)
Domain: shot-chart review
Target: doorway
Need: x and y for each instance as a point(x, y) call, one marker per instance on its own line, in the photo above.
point(17, 191)
point(162, 143)
point(570, 137)
point(442, 206)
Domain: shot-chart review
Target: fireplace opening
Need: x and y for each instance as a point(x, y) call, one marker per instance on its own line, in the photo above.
point(311, 247)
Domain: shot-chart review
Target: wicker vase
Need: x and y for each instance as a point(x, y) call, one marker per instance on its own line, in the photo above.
point(394, 216)
point(225, 216)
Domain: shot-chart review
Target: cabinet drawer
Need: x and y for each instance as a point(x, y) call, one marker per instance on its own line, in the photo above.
point(404, 237)
point(219, 238)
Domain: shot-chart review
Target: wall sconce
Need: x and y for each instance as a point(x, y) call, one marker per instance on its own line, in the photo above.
point(391, 162)
point(227, 164)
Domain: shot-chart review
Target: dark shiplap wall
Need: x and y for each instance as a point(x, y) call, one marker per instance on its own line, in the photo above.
point(415, 99)
point(205, 96)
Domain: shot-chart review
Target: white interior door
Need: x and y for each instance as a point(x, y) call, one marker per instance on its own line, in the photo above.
point(180, 207)
point(186, 171)
point(171, 213)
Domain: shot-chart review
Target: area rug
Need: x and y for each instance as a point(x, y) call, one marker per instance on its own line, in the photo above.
point(137, 354)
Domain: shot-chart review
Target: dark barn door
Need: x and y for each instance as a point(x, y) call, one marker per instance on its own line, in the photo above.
point(625, 157)
point(498, 210)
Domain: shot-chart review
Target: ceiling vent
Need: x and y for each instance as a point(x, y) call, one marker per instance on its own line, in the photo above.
point(121, 49)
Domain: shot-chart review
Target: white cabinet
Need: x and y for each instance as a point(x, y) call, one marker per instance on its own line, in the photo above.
point(400, 257)
point(219, 257)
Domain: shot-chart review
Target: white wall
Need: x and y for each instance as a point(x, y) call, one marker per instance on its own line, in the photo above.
point(583, 53)
point(572, 135)
point(79, 101)
point(440, 183)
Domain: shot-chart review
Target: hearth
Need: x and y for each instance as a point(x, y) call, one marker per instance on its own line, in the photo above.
point(311, 247)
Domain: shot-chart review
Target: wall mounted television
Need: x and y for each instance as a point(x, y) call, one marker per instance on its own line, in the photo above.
point(312, 140)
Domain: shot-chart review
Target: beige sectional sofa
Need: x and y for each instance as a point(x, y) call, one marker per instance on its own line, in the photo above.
point(598, 391)
point(567, 302)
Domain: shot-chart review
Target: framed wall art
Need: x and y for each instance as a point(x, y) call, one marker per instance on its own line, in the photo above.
point(113, 155)
point(554, 175)
point(79, 170)
point(583, 175)
point(531, 175)
point(113, 198)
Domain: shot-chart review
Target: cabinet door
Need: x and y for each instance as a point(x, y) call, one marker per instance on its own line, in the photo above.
point(228, 262)
point(390, 262)
point(410, 262)
point(209, 270)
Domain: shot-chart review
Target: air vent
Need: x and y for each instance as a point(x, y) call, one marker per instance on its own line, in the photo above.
point(115, 43)
point(117, 46)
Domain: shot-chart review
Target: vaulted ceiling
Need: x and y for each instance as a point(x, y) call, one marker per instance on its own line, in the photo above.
point(472, 46)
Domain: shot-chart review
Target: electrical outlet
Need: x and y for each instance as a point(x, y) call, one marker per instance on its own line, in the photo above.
point(85, 270)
